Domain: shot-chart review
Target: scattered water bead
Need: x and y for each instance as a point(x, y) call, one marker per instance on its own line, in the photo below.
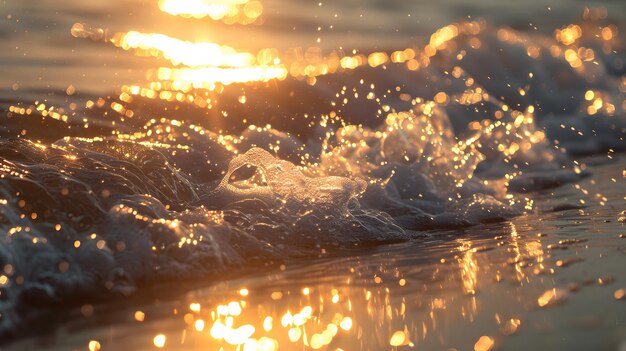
point(317, 341)
point(94, 345)
point(199, 325)
point(139, 316)
point(346, 323)
point(552, 297)
point(606, 280)
point(294, 334)
point(398, 338)
point(159, 340)
point(568, 262)
point(195, 307)
point(484, 343)
point(510, 326)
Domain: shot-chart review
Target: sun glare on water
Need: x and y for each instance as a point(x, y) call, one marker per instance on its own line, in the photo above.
point(180, 52)
point(207, 66)
point(229, 11)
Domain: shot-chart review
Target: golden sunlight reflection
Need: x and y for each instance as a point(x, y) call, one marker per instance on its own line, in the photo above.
point(384, 305)
point(239, 325)
point(468, 268)
point(228, 11)
point(206, 78)
point(181, 52)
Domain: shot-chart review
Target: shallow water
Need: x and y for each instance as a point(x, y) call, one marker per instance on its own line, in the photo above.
point(541, 281)
point(141, 150)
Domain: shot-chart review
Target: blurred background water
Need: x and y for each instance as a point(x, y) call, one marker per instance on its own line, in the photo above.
point(550, 279)
point(39, 55)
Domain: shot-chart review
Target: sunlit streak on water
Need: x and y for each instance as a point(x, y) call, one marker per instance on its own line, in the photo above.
point(390, 304)
point(206, 78)
point(182, 52)
point(229, 11)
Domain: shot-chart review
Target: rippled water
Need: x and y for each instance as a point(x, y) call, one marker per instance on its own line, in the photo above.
point(140, 149)
point(546, 281)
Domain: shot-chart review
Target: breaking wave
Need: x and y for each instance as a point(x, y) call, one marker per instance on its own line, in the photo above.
point(491, 115)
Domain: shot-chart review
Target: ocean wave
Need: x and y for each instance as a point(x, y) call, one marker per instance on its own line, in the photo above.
point(492, 115)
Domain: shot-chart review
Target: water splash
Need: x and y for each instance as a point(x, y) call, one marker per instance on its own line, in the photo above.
point(449, 134)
